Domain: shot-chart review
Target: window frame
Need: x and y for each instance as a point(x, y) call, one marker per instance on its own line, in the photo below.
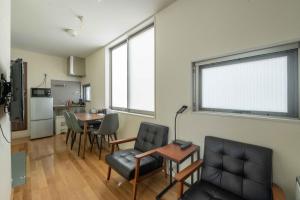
point(292, 53)
point(84, 86)
point(126, 41)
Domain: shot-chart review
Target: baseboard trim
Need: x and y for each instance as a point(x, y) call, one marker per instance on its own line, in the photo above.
point(19, 134)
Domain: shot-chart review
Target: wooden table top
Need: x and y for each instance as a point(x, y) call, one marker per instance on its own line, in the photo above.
point(85, 117)
point(175, 153)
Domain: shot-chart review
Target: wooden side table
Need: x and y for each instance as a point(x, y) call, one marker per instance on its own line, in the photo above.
point(174, 153)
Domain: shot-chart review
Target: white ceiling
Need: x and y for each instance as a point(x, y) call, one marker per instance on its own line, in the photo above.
point(38, 25)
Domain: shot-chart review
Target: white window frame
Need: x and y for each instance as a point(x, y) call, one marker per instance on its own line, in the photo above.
point(293, 79)
point(126, 40)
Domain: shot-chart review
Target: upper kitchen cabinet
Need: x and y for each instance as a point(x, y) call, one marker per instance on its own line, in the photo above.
point(76, 66)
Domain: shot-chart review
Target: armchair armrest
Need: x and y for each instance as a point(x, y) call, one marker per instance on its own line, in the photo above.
point(278, 193)
point(186, 172)
point(121, 141)
point(145, 154)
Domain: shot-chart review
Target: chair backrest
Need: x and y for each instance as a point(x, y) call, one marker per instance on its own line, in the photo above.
point(109, 124)
point(68, 120)
point(74, 123)
point(243, 169)
point(151, 136)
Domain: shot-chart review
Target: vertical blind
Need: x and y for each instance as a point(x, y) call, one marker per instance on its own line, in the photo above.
point(119, 76)
point(132, 73)
point(252, 86)
point(141, 71)
point(263, 82)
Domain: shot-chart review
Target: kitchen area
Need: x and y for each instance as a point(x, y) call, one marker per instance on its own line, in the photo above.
point(48, 104)
point(52, 85)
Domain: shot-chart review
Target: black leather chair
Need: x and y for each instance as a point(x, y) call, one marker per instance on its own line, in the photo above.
point(141, 161)
point(231, 171)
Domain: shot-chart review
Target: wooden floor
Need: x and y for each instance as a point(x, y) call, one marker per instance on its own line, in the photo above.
point(55, 172)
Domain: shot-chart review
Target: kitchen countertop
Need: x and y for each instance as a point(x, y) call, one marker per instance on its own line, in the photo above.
point(64, 106)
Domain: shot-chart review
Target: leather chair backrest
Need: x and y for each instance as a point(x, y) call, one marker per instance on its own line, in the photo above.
point(243, 169)
point(110, 124)
point(151, 136)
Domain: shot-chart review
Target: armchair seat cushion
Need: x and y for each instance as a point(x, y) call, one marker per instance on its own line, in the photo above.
point(124, 163)
point(203, 190)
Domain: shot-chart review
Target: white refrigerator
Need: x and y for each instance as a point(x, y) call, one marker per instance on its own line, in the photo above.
point(41, 117)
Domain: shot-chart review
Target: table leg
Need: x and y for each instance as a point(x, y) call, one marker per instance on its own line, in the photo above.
point(171, 184)
point(85, 125)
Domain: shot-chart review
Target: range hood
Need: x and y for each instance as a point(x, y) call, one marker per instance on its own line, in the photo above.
point(76, 66)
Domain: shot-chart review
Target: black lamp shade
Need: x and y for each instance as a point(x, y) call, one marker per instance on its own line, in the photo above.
point(182, 109)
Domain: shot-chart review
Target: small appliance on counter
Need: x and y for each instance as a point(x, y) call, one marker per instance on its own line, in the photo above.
point(41, 112)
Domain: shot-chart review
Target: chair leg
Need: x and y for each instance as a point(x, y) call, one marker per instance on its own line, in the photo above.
point(108, 141)
point(134, 191)
point(100, 149)
point(90, 138)
point(108, 173)
point(73, 140)
point(115, 135)
point(79, 143)
point(97, 141)
point(92, 143)
point(68, 133)
point(136, 177)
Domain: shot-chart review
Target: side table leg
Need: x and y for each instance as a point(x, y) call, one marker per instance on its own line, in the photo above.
point(192, 177)
point(198, 171)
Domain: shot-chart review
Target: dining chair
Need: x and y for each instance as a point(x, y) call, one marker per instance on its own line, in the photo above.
point(69, 125)
point(108, 127)
point(76, 130)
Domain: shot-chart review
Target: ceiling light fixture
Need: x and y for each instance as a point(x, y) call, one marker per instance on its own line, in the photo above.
point(74, 32)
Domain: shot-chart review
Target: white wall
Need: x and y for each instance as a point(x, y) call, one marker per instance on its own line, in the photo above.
point(5, 150)
point(37, 65)
point(191, 30)
point(95, 70)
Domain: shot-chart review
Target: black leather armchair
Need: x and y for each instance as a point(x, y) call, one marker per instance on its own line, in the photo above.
point(141, 161)
point(231, 171)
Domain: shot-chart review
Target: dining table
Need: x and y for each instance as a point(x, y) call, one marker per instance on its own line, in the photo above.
point(85, 118)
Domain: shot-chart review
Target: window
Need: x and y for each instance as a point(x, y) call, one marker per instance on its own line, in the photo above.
point(86, 92)
point(263, 82)
point(132, 73)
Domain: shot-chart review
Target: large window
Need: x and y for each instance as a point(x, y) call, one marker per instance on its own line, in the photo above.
point(86, 90)
point(262, 82)
point(132, 73)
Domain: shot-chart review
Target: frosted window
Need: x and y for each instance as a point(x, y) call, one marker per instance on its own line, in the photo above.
point(87, 92)
point(261, 82)
point(119, 76)
point(141, 71)
point(260, 85)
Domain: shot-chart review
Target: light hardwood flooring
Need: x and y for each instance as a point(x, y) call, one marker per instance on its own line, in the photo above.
point(54, 172)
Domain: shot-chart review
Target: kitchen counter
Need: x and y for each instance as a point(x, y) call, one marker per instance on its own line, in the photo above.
point(60, 109)
point(64, 106)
